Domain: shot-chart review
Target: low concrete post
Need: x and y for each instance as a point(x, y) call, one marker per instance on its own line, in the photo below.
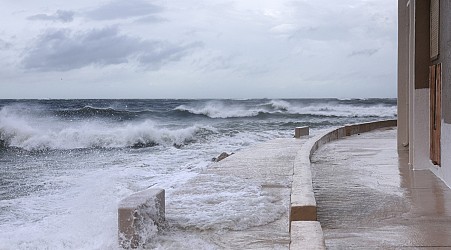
point(301, 131)
point(139, 217)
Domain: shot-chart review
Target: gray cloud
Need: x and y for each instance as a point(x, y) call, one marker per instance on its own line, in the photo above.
point(62, 50)
point(4, 44)
point(364, 52)
point(150, 19)
point(324, 20)
point(321, 33)
point(59, 16)
point(163, 53)
point(119, 9)
point(212, 62)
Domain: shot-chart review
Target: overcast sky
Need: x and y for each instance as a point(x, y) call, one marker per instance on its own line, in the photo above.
point(198, 49)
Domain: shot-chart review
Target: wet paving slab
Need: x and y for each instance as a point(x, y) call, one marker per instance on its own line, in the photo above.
point(369, 198)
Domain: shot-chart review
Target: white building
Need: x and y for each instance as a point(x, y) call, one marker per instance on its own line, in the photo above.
point(424, 84)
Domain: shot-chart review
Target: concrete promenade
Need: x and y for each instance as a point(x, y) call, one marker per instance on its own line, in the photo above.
point(256, 215)
point(368, 198)
point(269, 164)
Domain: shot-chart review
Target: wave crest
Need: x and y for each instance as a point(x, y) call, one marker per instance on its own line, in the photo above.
point(280, 105)
point(216, 109)
point(28, 134)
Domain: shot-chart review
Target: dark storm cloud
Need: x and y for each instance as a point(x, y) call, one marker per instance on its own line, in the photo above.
point(120, 9)
point(59, 16)
point(364, 52)
point(62, 50)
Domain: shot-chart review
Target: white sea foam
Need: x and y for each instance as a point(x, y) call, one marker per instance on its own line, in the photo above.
point(226, 203)
point(83, 215)
point(65, 221)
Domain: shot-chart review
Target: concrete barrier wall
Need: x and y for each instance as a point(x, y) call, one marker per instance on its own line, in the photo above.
point(327, 137)
point(140, 216)
point(301, 131)
point(303, 202)
point(369, 126)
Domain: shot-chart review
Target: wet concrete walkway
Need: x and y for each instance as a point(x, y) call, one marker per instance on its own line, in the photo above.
point(241, 202)
point(368, 198)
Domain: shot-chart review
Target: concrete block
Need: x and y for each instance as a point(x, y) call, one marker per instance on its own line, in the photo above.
point(139, 217)
point(306, 235)
point(303, 213)
point(303, 202)
point(301, 131)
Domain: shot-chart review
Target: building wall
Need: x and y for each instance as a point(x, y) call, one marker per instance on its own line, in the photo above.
point(411, 75)
point(413, 84)
point(419, 84)
point(444, 172)
point(445, 58)
point(403, 75)
point(421, 131)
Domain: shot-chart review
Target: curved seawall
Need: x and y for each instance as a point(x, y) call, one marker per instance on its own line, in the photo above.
point(305, 231)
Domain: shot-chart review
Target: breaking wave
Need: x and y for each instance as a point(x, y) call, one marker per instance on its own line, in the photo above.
point(218, 109)
point(43, 134)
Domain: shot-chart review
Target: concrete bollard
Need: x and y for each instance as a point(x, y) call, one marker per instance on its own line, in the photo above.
point(301, 131)
point(139, 217)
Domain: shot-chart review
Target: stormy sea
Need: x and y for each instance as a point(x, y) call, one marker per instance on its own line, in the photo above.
point(66, 164)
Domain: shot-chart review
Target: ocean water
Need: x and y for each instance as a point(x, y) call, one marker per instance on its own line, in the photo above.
point(66, 164)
